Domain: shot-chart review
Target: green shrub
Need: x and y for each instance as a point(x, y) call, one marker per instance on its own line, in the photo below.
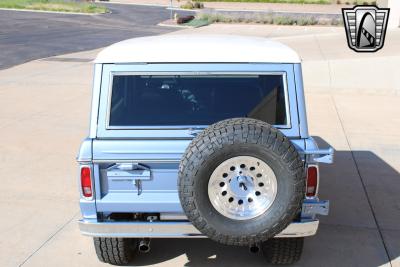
point(303, 21)
point(336, 22)
point(192, 5)
point(198, 5)
point(283, 20)
point(187, 5)
point(54, 5)
point(267, 18)
point(197, 23)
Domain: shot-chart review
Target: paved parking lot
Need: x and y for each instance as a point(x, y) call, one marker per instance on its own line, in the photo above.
point(26, 36)
point(44, 107)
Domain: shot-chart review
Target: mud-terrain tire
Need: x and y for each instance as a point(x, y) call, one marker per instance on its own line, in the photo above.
point(283, 250)
point(116, 251)
point(234, 138)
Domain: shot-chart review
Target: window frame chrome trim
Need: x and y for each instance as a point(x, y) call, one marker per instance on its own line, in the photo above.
point(192, 68)
point(194, 73)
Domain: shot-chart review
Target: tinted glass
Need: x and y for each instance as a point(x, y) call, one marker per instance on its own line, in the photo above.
point(181, 100)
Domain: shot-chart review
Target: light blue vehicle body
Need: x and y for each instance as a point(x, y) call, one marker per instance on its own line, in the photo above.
point(161, 148)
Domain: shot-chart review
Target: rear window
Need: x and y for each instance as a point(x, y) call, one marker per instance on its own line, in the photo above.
point(184, 100)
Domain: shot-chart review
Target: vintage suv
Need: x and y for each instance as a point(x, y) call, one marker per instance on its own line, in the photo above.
point(199, 136)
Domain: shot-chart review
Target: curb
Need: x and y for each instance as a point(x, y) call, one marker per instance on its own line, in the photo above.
point(131, 4)
point(176, 8)
point(271, 12)
point(174, 26)
point(222, 10)
point(281, 11)
point(186, 10)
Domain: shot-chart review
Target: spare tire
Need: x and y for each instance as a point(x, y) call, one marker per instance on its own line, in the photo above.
point(241, 182)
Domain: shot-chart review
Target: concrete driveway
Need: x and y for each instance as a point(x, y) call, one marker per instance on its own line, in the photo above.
point(44, 107)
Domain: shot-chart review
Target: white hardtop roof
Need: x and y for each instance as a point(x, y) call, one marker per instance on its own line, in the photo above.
point(195, 48)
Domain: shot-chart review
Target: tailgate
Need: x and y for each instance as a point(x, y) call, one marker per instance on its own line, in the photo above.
point(137, 175)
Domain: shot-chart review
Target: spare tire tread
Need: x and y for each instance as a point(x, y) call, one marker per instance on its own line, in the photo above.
point(229, 132)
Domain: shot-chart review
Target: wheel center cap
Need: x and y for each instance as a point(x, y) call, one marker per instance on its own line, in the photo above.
point(241, 185)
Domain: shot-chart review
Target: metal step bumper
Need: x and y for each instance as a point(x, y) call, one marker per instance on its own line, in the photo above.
point(174, 229)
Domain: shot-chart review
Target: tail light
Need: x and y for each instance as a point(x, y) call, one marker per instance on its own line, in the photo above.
point(312, 180)
point(86, 181)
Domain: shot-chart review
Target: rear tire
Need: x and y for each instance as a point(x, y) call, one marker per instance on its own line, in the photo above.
point(116, 251)
point(283, 250)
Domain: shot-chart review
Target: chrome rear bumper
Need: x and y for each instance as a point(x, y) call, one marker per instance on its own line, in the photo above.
point(176, 229)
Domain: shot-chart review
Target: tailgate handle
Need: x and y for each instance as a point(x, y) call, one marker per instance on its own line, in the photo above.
point(131, 171)
point(129, 166)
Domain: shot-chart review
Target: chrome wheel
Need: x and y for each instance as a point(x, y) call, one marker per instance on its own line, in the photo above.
point(242, 188)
